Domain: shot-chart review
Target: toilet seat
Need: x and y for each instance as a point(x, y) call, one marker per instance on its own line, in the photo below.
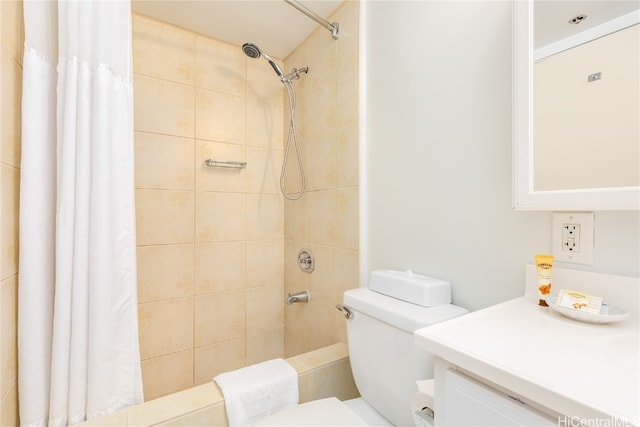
point(322, 412)
point(365, 411)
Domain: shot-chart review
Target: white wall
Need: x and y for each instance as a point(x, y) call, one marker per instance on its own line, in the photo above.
point(437, 155)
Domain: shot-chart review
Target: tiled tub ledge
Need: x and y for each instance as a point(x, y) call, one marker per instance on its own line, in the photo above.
point(321, 373)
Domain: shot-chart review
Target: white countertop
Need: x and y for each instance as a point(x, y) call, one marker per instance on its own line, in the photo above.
point(573, 368)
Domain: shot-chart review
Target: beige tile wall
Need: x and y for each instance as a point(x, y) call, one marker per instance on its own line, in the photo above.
point(217, 247)
point(210, 240)
point(325, 219)
point(11, 40)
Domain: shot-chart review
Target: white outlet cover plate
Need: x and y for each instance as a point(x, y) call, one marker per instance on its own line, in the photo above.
point(585, 219)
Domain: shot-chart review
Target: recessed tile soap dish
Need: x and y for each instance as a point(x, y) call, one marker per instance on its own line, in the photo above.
point(616, 314)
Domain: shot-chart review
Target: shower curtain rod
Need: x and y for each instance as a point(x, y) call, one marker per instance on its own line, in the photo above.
point(334, 27)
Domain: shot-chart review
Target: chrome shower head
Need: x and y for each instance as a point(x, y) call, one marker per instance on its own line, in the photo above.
point(253, 51)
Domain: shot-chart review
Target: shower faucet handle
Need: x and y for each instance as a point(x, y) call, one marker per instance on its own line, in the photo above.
point(306, 262)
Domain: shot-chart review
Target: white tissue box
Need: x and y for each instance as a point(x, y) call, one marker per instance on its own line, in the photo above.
point(414, 288)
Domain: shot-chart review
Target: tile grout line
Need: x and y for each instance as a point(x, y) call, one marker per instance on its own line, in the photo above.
point(195, 194)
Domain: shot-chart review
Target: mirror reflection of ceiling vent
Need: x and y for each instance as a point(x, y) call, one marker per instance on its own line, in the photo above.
point(577, 19)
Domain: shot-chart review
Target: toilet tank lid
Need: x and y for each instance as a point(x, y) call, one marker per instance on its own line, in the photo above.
point(401, 314)
point(411, 287)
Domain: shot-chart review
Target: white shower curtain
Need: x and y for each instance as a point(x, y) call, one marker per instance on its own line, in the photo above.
point(77, 303)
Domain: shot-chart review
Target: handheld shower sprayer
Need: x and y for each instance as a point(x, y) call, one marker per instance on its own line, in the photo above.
point(253, 51)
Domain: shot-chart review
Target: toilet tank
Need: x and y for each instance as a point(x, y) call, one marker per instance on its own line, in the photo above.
point(384, 360)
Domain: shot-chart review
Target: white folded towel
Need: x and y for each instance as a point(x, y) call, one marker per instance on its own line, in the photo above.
point(256, 391)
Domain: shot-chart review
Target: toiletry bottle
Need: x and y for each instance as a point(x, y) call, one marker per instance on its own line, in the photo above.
point(544, 264)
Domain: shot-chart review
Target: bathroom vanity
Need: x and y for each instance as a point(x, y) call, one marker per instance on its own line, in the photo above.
point(518, 364)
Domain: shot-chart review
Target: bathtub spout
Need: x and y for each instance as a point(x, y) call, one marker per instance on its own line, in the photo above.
point(298, 297)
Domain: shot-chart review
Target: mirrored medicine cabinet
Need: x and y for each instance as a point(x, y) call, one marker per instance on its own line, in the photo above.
point(576, 105)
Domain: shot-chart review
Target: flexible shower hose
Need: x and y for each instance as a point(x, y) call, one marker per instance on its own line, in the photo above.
point(292, 135)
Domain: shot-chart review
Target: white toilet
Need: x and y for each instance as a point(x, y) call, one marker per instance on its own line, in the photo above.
point(384, 360)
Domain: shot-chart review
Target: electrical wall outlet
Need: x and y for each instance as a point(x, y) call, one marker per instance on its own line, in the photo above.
point(572, 237)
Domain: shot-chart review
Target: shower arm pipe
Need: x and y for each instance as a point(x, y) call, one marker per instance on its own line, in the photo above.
point(334, 27)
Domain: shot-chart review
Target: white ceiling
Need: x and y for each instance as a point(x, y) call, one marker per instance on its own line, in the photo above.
point(273, 25)
point(551, 18)
point(277, 28)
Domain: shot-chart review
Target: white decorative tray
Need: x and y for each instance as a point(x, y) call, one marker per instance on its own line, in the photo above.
point(616, 314)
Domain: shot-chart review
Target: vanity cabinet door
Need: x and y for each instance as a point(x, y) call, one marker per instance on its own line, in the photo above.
point(468, 402)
